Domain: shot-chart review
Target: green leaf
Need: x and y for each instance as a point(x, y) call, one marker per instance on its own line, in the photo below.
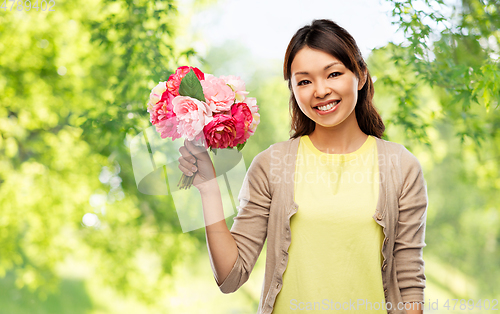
point(487, 99)
point(191, 87)
point(240, 146)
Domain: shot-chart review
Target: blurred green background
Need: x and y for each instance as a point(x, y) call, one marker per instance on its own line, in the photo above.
point(74, 84)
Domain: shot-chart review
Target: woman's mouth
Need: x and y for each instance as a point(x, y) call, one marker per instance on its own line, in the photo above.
point(328, 108)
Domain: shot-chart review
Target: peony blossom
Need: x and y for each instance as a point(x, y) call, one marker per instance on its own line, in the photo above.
point(243, 117)
point(158, 112)
point(174, 81)
point(163, 109)
point(192, 114)
point(160, 88)
point(237, 85)
point(252, 104)
point(217, 93)
point(156, 93)
point(168, 128)
point(255, 122)
point(221, 131)
point(226, 119)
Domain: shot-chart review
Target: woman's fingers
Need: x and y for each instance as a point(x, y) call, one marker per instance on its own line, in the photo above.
point(195, 160)
point(187, 163)
point(186, 154)
point(199, 151)
point(185, 170)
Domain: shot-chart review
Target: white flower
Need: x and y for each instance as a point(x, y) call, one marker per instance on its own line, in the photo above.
point(156, 92)
point(252, 104)
point(237, 85)
point(160, 88)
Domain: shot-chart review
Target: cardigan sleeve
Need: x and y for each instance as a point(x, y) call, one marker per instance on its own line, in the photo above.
point(249, 229)
point(410, 232)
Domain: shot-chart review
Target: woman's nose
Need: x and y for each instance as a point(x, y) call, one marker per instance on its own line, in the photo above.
point(322, 90)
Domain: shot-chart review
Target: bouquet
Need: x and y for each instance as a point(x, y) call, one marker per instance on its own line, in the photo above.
point(214, 112)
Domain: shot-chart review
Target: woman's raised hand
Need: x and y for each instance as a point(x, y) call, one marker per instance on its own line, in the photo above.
point(195, 160)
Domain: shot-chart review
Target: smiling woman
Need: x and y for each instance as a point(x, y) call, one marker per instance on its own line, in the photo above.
point(322, 91)
point(326, 68)
point(348, 224)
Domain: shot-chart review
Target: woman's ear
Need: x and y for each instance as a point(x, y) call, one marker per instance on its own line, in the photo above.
point(362, 80)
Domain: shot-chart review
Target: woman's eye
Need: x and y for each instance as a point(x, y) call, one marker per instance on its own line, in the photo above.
point(302, 82)
point(334, 74)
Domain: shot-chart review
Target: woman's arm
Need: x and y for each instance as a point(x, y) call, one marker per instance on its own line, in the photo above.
point(222, 248)
point(233, 260)
point(410, 232)
point(416, 308)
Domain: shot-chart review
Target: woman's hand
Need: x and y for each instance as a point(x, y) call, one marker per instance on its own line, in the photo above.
point(197, 157)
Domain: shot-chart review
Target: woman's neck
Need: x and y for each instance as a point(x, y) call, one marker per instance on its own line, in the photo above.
point(341, 139)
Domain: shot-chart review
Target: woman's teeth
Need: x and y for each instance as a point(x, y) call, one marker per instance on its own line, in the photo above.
point(328, 107)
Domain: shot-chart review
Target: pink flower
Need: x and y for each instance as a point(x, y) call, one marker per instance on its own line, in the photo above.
point(226, 119)
point(168, 128)
point(167, 96)
point(158, 112)
point(221, 131)
point(156, 93)
point(217, 93)
point(243, 117)
point(252, 104)
point(174, 81)
point(255, 122)
point(237, 85)
point(162, 109)
point(192, 114)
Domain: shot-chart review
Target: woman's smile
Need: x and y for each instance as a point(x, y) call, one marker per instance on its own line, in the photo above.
point(328, 108)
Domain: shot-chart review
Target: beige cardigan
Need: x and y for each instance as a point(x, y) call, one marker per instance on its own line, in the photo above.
point(267, 203)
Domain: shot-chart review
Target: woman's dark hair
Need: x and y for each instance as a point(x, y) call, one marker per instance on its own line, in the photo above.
point(327, 36)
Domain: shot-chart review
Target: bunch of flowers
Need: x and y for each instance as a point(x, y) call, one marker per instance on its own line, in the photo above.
point(213, 111)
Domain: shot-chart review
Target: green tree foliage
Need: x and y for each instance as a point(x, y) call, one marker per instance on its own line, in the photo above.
point(441, 88)
point(458, 53)
point(73, 85)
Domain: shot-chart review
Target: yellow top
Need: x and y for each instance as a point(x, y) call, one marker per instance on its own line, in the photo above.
point(333, 233)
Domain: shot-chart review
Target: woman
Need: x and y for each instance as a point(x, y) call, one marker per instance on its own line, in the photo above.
point(355, 205)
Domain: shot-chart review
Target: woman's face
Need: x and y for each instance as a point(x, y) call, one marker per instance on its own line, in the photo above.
point(319, 79)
